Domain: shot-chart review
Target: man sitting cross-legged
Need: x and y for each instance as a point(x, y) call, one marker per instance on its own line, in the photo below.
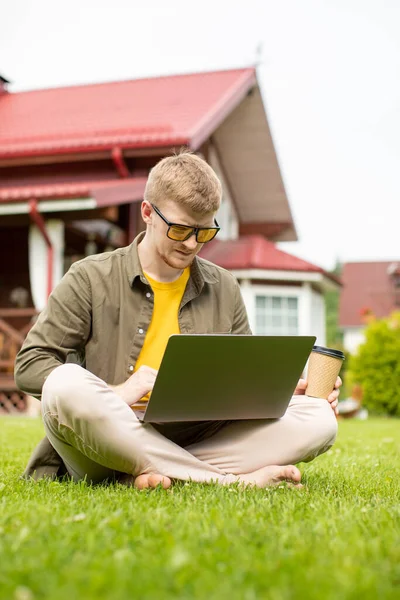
point(118, 310)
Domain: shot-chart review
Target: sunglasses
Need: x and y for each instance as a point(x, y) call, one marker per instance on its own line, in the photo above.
point(181, 233)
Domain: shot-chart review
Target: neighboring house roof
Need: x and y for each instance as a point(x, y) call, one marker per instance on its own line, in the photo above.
point(158, 112)
point(255, 252)
point(366, 286)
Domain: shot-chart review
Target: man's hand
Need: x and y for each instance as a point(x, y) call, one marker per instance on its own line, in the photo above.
point(332, 398)
point(138, 385)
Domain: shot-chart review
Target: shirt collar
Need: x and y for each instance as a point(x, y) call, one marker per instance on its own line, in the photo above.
point(200, 271)
point(133, 266)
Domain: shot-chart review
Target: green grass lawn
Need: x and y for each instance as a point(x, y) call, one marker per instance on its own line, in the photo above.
point(337, 538)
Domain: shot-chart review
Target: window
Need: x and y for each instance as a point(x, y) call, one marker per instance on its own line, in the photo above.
point(276, 315)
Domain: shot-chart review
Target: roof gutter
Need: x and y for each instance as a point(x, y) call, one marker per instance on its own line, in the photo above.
point(38, 220)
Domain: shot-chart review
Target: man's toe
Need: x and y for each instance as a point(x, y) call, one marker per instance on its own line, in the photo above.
point(155, 480)
point(293, 474)
point(142, 481)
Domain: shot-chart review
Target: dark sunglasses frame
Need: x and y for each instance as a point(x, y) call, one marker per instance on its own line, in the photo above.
point(192, 230)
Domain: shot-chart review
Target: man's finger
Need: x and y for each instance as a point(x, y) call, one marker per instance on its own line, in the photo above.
point(338, 382)
point(152, 371)
point(147, 369)
point(333, 396)
point(300, 388)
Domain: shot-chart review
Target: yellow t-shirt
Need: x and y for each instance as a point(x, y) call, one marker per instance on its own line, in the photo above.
point(164, 322)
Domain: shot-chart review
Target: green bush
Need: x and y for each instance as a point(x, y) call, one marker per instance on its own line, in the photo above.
point(376, 366)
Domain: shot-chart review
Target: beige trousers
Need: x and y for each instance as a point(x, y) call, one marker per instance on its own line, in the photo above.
point(99, 437)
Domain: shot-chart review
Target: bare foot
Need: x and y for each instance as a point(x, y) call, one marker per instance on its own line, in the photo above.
point(272, 476)
point(151, 480)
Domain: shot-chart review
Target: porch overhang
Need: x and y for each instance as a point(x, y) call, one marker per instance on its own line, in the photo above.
point(66, 197)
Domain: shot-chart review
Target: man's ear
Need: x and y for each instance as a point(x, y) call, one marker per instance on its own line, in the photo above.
point(146, 211)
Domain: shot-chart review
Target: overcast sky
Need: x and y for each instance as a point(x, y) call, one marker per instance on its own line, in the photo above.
point(329, 72)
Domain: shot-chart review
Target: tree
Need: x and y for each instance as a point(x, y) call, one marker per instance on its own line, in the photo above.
point(376, 366)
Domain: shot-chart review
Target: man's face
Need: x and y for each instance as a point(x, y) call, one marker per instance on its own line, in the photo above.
point(177, 255)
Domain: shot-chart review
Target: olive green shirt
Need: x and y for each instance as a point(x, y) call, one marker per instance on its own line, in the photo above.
point(99, 313)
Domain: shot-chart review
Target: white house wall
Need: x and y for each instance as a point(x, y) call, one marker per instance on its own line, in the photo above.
point(353, 337)
point(226, 217)
point(248, 295)
point(318, 317)
point(305, 304)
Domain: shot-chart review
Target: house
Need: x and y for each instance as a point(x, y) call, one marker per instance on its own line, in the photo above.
point(284, 295)
point(73, 167)
point(369, 288)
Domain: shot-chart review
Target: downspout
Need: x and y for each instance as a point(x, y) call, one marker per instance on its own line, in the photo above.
point(119, 163)
point(123, 172)
point(37, 218)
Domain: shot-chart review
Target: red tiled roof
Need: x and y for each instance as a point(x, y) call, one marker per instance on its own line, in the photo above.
point(255, 252)
point(158, 112)
point(366, 285)
point(113, 191)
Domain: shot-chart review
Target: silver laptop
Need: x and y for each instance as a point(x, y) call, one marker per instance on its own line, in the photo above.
point(223, 377)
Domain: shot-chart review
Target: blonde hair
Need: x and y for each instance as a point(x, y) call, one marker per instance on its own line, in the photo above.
point(187, 180)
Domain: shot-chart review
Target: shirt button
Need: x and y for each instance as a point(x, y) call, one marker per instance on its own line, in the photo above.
point(140, 330)
point(148, 295)
point(130, 368)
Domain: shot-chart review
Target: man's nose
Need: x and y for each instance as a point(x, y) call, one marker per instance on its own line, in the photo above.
point(191, 243)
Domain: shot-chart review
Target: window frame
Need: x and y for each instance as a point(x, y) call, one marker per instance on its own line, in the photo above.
point(281, 292)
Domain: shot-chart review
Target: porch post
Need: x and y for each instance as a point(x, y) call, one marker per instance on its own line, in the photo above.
point(38, 255)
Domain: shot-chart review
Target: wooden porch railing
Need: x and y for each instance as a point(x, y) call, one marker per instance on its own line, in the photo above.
point(12, 401)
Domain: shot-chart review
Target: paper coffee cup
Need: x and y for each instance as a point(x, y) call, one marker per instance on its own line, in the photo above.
point(323, 368)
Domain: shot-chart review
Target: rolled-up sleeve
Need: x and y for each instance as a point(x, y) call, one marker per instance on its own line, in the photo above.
point(61, 329)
